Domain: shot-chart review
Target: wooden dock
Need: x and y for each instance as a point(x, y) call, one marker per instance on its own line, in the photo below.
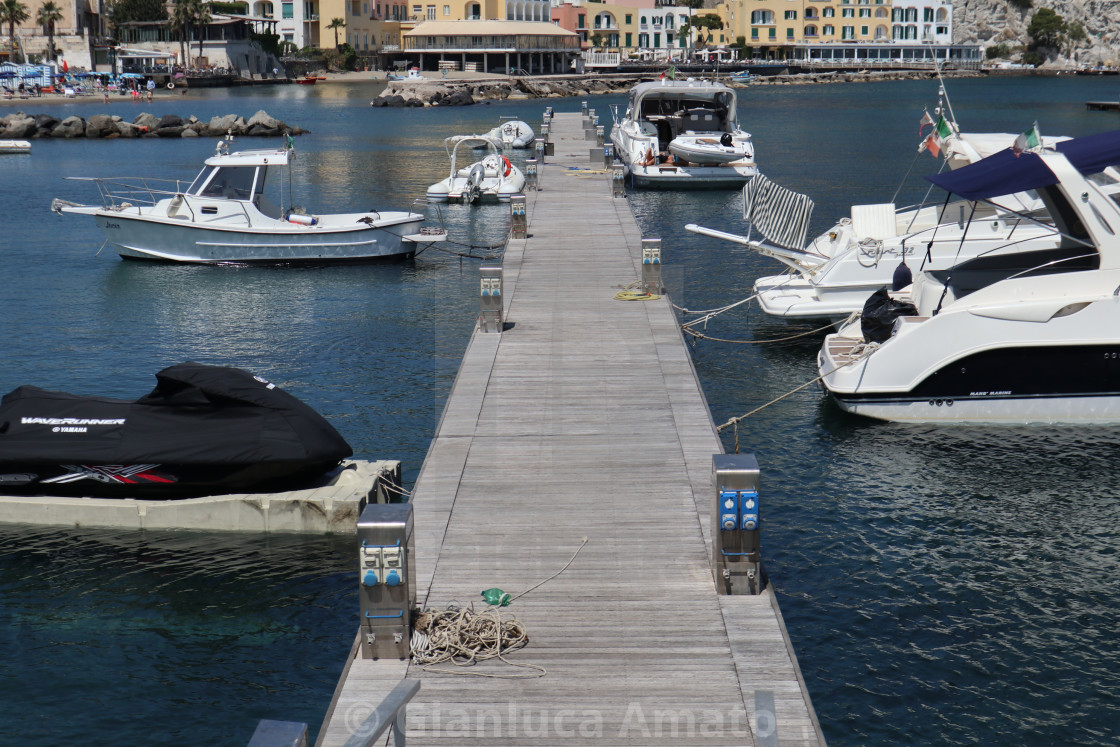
point(584, 419)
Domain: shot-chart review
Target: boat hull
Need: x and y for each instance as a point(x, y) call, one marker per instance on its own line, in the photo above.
point(134, 237)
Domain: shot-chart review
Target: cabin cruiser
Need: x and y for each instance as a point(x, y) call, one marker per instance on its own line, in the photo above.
point(203, 430)
point(492, 178)
point(237, 211)
point(683, 133)
point(1021, 337)
point(831, 276)
point(511, 133)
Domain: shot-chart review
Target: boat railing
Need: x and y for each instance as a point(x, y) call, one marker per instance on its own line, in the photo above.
point(421, 205)
point(117, 191)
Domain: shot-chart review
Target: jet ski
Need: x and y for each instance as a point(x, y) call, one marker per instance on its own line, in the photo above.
point(203, 430)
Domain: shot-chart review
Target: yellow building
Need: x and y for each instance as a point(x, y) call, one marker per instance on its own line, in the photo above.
point(769, 26)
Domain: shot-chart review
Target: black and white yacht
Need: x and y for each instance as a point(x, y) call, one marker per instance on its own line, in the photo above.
point(1021, 337)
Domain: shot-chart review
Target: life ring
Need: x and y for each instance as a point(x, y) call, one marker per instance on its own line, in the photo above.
point(170, 85)
point(509, 166)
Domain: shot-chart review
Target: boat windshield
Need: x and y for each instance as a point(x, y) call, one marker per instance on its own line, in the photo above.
point(229, 182)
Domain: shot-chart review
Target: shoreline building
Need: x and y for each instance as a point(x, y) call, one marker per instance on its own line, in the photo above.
point(537, 47)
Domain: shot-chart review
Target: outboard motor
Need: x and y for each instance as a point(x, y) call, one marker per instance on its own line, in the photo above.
point(474, 183)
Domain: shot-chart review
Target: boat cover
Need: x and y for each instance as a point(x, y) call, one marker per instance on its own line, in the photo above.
point(1005, 173)
point(203, 429)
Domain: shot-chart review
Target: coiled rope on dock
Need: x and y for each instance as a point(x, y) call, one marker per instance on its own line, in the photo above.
point(463, 637)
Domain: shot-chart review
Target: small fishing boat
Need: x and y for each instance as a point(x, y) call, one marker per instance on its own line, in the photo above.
point(307, 80)
point(203, 430)
point(492, 178)
point(15, 146)
point(236, 212)
point(413, 74)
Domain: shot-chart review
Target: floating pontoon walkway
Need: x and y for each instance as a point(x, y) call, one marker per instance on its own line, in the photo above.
point(584, 419)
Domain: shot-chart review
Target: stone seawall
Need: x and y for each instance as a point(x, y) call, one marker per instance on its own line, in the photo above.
point(104, 126)
point(464, 92)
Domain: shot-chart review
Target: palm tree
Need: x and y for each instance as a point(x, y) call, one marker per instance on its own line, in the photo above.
point(12, 12)
point(181, 25)
point(687, 30)
point(336, 24)
point(49, 14)
point(200, 12)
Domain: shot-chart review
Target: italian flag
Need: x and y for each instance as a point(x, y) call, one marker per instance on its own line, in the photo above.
point(941, 131)
point(1029, 140)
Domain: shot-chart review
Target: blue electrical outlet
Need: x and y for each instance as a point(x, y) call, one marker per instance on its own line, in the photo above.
point(748, 510)
point(728, 510)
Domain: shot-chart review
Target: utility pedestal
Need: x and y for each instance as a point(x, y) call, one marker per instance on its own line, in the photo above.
point(736, 556)
point(387, 579)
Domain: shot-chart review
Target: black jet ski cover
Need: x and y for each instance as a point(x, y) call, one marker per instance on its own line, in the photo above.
point(879, 313)
point(203, 430)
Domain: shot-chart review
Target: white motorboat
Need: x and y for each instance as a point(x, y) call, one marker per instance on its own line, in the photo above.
point(1006, 338)
point(492, 178)
point(234, 211)
point(15, 146)
point(512, 133)
point(683, 133)
point(831, 276)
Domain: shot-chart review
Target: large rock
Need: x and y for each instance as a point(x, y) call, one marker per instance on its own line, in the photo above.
point(127, 129)
point(218, 126)
point(170, 121)
point(20, 126)
point(146, 122)
point(101, 125)
point(72, 126)
point(262, 119)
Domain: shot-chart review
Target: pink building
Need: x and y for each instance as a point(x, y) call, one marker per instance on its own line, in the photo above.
point(572, 18)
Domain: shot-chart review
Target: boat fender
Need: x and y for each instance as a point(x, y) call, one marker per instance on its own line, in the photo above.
point(171, 85)
point(725, 140)
point(303, 220)
point(902, 276)
point(509, 166)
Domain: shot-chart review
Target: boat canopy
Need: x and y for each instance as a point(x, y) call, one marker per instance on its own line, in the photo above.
point(667, 97)
point(1005, 173)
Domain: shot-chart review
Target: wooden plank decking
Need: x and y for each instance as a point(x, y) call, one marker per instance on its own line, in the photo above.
point(585, 419)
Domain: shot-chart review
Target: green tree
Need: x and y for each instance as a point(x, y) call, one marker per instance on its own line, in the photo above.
point(125, 11)
point(201, 14)
point(709, 21)
point(11, 13)
point(596, 40)
point(1047, 29)
point(336, 24)
point(48, 15)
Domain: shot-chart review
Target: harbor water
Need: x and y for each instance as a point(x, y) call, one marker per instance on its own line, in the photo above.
point(940, 585)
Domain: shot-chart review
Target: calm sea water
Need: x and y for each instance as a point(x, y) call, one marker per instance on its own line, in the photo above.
point(940, 585)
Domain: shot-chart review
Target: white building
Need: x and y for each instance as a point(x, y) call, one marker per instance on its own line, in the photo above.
point(922, 20)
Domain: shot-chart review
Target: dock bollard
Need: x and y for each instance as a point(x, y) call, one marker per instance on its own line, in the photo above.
point(517, 220)
point(531, 173)
point(651, 266)
point(490, 299)
point(618, 180)
point(539, 148)
point(736, 555)
point(608, 155)
point(599, 134)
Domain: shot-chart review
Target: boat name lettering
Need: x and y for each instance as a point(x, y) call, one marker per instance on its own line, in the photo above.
point(990, 394)
point(72, 421)
point(70, 429)
point(112, 225)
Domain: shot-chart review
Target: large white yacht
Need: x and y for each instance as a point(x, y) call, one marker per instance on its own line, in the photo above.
point(683, 133)
point(1004, 338)
point(239, 210)
point(831, 276)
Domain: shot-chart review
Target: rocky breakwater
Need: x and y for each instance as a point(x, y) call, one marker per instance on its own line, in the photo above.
point(104, 126)
point(463, 92)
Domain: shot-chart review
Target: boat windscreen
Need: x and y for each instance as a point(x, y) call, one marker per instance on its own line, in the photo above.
point(230, 182)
